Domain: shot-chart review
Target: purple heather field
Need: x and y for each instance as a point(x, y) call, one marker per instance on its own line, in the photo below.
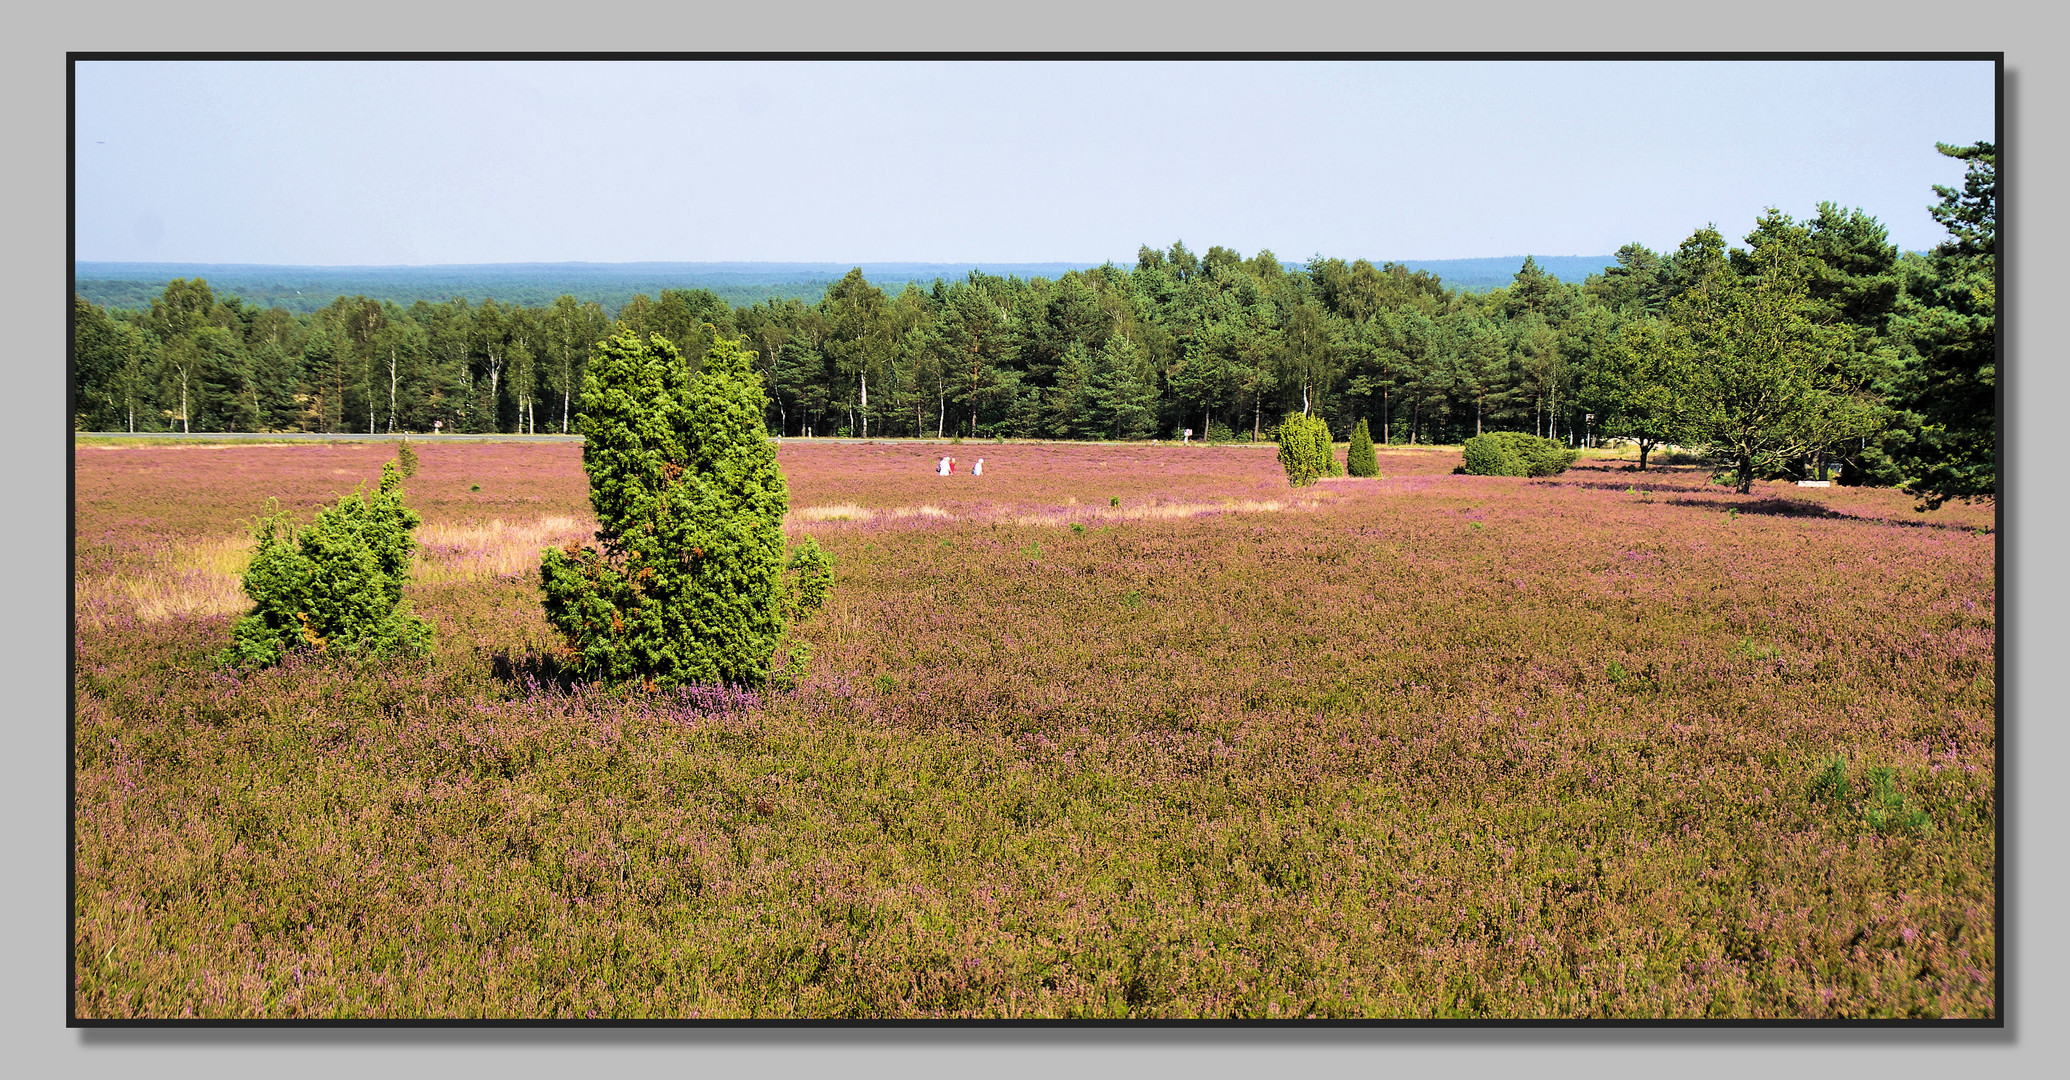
point(1107, 731)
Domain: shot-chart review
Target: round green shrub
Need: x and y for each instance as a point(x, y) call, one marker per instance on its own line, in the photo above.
point(337, 586)
point(1515, 453)
point(1304, 449)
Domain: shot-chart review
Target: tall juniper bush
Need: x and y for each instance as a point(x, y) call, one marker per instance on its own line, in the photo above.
point(687, 583)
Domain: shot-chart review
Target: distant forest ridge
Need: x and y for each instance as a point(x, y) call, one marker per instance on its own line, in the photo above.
point(305, 289)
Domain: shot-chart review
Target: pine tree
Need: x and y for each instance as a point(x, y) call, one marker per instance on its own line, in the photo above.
point(1950, 328)
point(687, 583)
point(1124, 391)
point(1359, 458)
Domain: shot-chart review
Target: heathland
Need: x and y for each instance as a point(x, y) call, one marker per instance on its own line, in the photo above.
point(1110, 730)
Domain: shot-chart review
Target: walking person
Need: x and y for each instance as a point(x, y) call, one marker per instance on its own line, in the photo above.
point(979, 468)
point(941, 468)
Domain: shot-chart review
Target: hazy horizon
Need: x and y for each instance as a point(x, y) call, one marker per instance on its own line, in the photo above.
point(818, 265)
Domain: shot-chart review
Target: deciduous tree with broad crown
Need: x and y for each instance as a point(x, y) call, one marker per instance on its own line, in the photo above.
point(1757, 390)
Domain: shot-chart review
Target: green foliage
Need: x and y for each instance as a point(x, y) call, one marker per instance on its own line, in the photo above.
point(406, 459)
point(797, 659)
point(1887, 809)
point(1515, 453)
point(337, 587)
point(1949, 325)
point(687, 583)
point(1359, 459)
point(1304, 449)
point(1831, 783)
point(810, 575)
point(1486, 455)
point(1883, 805)
point(1757, 389)
point(1637, 384)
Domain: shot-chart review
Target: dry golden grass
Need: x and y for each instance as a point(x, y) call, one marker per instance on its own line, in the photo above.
point(205, 577)
point(852, 512)
point(1163, 511)
point(200, 578)
point(468, 551)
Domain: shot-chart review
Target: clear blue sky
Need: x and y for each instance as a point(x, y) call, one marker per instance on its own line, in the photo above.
point(397, 163)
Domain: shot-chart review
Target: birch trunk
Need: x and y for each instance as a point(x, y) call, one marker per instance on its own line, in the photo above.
point(495, 375)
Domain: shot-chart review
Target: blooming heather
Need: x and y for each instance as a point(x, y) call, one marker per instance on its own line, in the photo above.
point(1423, 746)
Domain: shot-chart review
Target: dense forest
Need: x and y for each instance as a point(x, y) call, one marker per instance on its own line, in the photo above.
point(1889, 363)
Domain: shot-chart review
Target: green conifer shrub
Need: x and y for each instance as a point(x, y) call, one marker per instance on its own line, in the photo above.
point(337, 586)
point(1515, 453)
point(1325, 447)
point(1304, 449)
point(687, 582)
point(810, 574)
point(1359, 458)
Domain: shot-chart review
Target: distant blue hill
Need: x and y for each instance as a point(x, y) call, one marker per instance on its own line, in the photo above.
point(307, 288)
point(1480, 275)
point(304, 289)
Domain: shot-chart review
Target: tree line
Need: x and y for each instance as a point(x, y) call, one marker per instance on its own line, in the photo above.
point(1816, 344)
